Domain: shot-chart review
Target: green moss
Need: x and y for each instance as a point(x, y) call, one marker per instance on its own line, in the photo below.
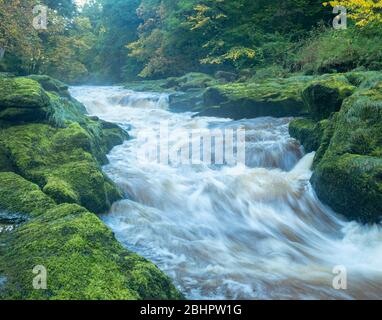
point(348, 167)
point(193, 80)
point(62, 147)
point(325, 95)
point(61, 162)
point(22, 100)
point(148, 86)
point(358, 126)
point(22, 93)
point(5, 161)
point(363, 79)
point(63, 110)
point(266, 97)
point(61, 157)
point(21, 196)
point(352, 185)
point(61, 191)
point(308, 132)
point(82, 258)
point(50, 84)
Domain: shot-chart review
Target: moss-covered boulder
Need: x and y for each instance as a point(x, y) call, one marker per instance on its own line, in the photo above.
point(82, 258)
point(59, 148)
point(62, 162)
point(308, 132)
point(363, 79)
point(22, 100)
point(348, 163)
point(49, 165)
point(352, 185)
point(325, 95)
point(22, 93)
point(18, 195)
point(52, 85)
point(269, 97)
point(349, 174)
point(192, 80)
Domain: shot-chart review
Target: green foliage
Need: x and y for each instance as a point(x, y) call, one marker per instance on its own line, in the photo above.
point(17, 36)
point(124, 40)
point(329, 50)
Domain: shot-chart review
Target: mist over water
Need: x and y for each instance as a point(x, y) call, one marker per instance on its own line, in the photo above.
point(253, 231)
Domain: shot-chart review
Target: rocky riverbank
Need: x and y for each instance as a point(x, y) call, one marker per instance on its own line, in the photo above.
point(52, 185)
point(51, 188)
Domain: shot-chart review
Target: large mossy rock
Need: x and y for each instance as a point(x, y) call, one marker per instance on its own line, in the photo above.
point(18, 195)
point(348, 163)
point(308, 132)
point(82, 258)
point(270, 97)
point(49, 166)
point(62, 162)
point(325, 95)
point(52, 85)
point(22, 93)
point(349, 174)
point(62, 150)
point(22, 100)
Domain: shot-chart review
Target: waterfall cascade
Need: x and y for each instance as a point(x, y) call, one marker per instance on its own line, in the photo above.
point(253, 231)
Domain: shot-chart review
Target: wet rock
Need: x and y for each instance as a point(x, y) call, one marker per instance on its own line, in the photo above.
point(325, 95)
point(308, 132)
point(49, 166)
point(225, 77)
point(270, 97)
point(82, 258)
point(50, 84)
point(348, 163)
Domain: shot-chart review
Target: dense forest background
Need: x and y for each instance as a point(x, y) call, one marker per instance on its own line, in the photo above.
point(122, 40)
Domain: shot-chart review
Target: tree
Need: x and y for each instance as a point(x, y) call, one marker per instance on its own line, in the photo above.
point(17, 36)
point(65, 8)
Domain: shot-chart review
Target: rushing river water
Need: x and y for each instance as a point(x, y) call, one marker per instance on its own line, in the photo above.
point(254, 231)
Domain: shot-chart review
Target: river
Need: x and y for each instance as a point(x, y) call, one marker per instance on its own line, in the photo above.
point(253, 231)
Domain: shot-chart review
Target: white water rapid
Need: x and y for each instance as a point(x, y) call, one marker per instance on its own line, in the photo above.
point(254, 231)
